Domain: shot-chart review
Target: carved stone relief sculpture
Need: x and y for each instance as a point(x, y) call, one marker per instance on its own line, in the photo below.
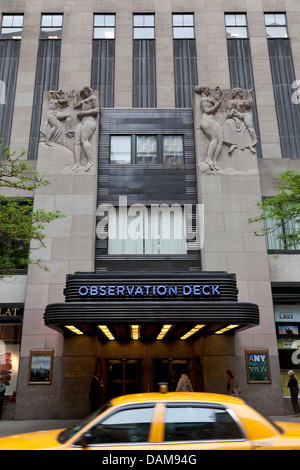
point(68, 137)
point(224, 132)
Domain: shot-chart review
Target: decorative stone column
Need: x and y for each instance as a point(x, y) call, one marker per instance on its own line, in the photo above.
point(229, 188)
point(68, 154)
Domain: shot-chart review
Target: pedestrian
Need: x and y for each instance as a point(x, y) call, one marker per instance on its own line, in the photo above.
point(2, 393)
point(184, 384)
point(232, 386)
point(96, 387)
point(293, 386)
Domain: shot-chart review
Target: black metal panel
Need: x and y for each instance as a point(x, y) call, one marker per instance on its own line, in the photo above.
point(47, 74)
point(285, 292)
point(103, 71)
point(288, 113)
point(225, 282)
point(9, 61)
point(144, 73)
point(241, 75)
point(151, 312)
point(146, 183)
point(185, 71)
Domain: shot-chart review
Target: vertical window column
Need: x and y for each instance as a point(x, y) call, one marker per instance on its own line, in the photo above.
point(10, 44)
point(144, 62)
point(185, 60)
point(103, 59)
point(283, 76)
point(240, 63)
point(47, 73)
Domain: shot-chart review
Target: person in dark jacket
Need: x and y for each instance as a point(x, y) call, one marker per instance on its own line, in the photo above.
point(293, 386)
point(95, 390)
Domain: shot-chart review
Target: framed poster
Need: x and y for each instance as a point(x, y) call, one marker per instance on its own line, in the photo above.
point(40, 366)
point(258, 366)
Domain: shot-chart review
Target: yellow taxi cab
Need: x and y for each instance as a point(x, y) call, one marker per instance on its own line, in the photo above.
point(167, 421)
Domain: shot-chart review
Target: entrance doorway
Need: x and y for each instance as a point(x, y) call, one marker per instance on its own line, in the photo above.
point(122, 377)
point(169, 370)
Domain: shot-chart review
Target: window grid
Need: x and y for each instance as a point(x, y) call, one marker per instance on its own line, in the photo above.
point(276, 26)
point(183, 26)
point(236, 26)
point(51, 26)
point(143, 26)
point(104, 26)
point(146, 149)
point(12, 26)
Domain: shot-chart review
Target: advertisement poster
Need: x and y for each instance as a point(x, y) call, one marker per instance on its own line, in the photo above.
point(258, 368)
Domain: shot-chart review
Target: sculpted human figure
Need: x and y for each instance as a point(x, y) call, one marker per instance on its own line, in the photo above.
point(238, 130)
point(209, 126)
point(89, 107)
point(55, 117)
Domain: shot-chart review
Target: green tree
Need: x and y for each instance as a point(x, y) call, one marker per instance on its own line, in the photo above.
point(20, 223)
point(284, 208)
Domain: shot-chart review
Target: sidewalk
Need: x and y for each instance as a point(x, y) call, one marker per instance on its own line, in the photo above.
point(9, 427)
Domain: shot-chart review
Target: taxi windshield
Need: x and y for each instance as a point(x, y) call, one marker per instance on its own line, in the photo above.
point(65, 435)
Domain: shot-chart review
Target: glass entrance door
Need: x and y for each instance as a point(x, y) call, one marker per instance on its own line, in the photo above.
point(169, 370)
point(122, 377)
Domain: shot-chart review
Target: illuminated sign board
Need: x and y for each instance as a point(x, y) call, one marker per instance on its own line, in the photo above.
point(163, 290)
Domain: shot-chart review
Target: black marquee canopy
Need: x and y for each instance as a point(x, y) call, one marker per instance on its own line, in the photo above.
point(182, 301)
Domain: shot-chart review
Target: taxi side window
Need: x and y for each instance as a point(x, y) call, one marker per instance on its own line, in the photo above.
point(195, 423)
point(125, 425)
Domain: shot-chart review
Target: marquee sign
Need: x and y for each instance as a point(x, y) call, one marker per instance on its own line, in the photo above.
point(161, 290)
point(151, 288)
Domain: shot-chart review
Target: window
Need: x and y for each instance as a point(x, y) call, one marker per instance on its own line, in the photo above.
point(276, 26)
point(236, 26)
point(120, 149)
point(172, 149)
point(137, 230)
point(145, 149)
point(275, 230)
point(195, 423)
point(51, 27)
point(104, 26)
point(126, 425)
point(143, 27)
point(12, 26)
point(183, 26)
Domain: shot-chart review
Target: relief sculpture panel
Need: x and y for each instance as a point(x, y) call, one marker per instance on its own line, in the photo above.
point(68, 133)
point(224, 133)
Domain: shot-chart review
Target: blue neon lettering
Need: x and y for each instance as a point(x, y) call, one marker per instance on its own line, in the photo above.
point(130, 291)
point(111, 290)
point(215, 290)
point(120, 290)
point(139, 290)
point(161, 290)
point(173, 290)
point(204, 290)
point(197, 290)
point(186, 290)
point(83, 290)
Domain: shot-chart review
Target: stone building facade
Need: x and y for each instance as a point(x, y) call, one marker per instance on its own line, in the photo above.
point(131, 107)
